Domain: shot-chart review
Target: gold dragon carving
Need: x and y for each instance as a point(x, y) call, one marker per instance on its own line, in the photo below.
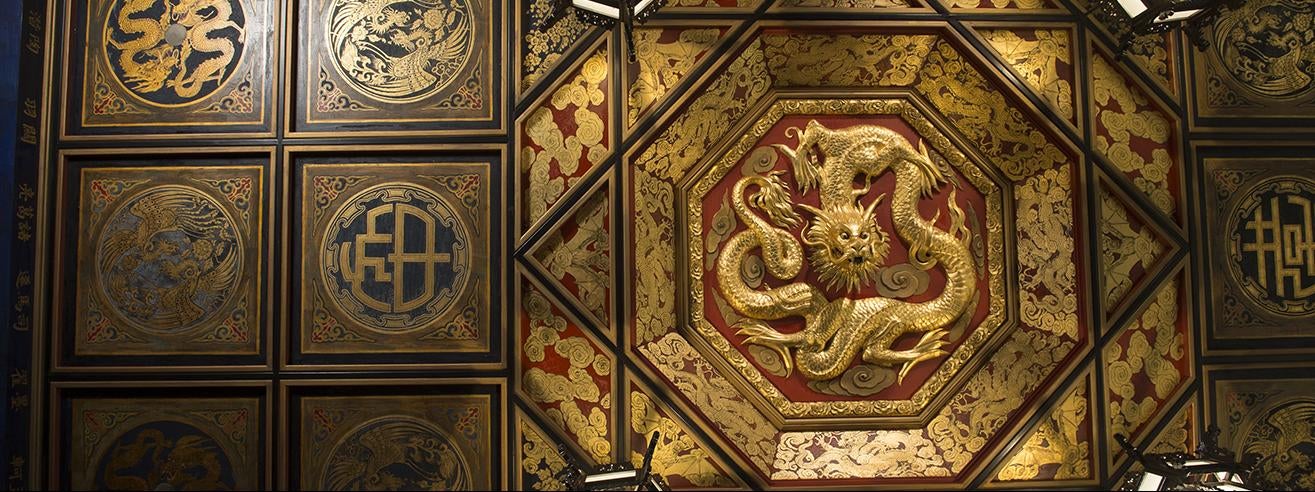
point(846, 249)
point(155, 59)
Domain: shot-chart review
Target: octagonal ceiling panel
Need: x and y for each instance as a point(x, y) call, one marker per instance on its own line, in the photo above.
point(957, 124)
point(877, 273)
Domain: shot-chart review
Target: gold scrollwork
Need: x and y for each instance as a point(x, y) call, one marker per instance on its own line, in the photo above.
point(846, 60)
point(539, 459)
point(846, 4)
point(999, 130)
point(742, 424)
point(543, 48)
point(1124, 247)
point(661, 64)
point(168, 53)
point(1155, 347)
point(1058, 448)
point(191, 245)
point(106, 100)
point(239, 100)
point(1151, 52)
point(703, 122)
point(575, 400)
point(1121, 112)
point(729, 273)
point(399, 51)
point(1266, 47)
point(584, 256)
point(1047, 272)
point(1001, 4)
point(330, 98)
point(561, 152)
point(1283, 435)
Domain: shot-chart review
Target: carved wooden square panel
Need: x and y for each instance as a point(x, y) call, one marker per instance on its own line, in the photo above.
point(1267, 412)
point(1258, 202)
point(403, 437)
point(163, 257)
point(151, 437)
point(397, 65)
point(164, 67)
point(393, 260)
point(1256, 71)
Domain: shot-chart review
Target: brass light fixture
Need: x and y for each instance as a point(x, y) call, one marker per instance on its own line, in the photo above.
point(1128, 19)
point(605, 13)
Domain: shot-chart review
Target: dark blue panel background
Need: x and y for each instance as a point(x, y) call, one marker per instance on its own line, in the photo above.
point(10, 35)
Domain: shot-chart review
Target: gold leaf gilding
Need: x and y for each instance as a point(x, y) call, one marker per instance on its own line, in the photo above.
point(1125, 246)
point(662, 64)
point(678, 455)
point(556, 155)
point(1123, 113)
point(1059, 448)
point(1044, 59)
point(1150, 349)
point(574, 401)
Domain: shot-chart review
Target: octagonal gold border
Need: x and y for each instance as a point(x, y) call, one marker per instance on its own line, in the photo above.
point(1052, 325)
point(762, 392)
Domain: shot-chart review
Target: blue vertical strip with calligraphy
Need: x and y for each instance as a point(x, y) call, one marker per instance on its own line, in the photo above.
point(21, 67)
point(10, 39)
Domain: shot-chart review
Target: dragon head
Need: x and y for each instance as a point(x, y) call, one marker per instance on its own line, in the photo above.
point(847, 246)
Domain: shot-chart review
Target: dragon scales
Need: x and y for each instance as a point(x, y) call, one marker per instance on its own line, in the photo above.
point(846, 249)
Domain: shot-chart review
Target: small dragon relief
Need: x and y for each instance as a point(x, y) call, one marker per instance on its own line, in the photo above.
point(846, 249)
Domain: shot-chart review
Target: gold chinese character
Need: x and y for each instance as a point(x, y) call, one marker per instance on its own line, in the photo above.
point(397, 259)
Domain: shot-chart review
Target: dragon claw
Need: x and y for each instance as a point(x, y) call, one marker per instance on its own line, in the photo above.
point(758, 333)
point(904, 370)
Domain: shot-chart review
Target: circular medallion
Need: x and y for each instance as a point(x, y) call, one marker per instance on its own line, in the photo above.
point(1283, 438)
point(1272, 248)
point(1267, 49)
point(396, 452)
point(174, 52)
point(400, 51)
point(168, 259)
point(395, 257)
point(165, 455)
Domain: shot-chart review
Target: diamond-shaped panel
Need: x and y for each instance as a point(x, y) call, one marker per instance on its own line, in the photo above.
point(1147, 364)
point(564, 135)
point(1137, 137)
point(578, 256)
point(565, 373)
